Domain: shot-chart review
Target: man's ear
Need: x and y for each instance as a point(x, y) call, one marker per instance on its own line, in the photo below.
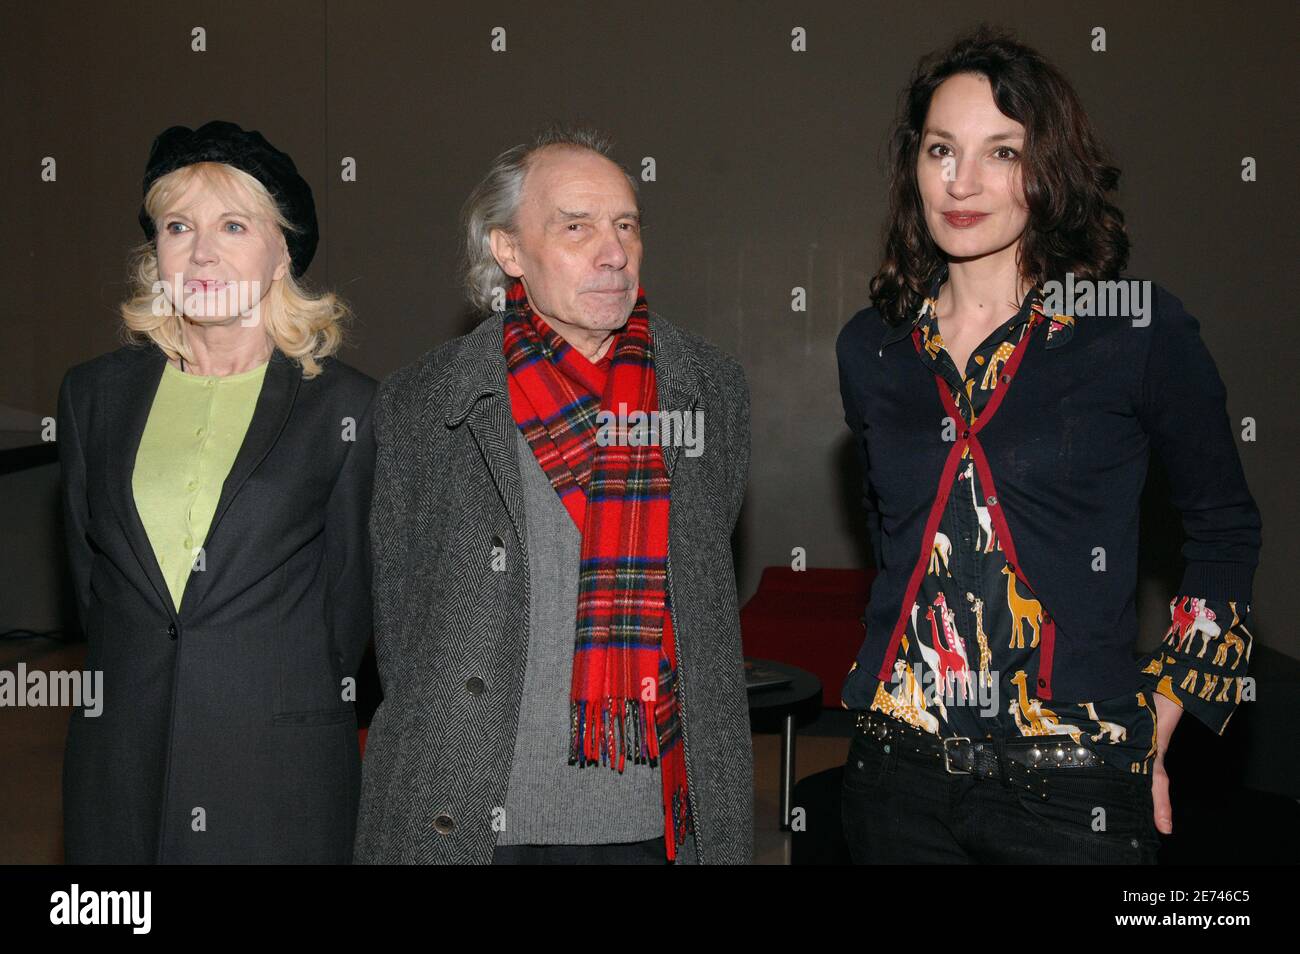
point(503, 250)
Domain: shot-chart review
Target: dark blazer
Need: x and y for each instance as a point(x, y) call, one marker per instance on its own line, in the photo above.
point(1068, 448)
point(229, 716)
point(451, 634)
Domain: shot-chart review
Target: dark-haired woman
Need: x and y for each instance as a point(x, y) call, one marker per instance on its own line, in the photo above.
point(1005, 437)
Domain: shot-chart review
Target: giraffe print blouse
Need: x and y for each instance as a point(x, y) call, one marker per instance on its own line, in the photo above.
point(967, 653)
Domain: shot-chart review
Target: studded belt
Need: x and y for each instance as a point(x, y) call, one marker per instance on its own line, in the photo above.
point(1019, 763)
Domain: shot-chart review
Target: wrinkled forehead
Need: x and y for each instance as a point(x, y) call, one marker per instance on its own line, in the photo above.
point(576, 180)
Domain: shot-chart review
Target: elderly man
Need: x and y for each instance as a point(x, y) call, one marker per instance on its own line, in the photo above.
point(559, 647)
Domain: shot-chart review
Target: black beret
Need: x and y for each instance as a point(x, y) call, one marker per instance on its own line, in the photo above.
point(249, 151)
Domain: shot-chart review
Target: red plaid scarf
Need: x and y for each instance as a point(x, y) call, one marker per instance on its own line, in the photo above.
point(623, 694)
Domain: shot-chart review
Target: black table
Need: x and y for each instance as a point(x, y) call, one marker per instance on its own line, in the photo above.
point(784, 709)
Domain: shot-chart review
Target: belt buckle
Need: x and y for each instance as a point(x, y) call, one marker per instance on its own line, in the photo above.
point(947, 760)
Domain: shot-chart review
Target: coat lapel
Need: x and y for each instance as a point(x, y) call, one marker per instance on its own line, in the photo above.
point(478, 396)
point(676, 376)
point(270, 414)
point(132, 398)
point(494, 428)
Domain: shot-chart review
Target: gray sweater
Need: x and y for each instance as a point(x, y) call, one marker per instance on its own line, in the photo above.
point(549, 801)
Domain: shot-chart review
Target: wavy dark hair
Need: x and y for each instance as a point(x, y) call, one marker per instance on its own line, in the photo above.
point(1066, 173)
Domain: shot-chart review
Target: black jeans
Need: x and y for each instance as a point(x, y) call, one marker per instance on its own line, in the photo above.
point(904, 808)
point(651, 852)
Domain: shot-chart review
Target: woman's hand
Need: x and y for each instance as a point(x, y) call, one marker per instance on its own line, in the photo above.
point(1167, 714)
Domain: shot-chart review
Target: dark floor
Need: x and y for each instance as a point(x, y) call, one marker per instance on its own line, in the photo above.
point(31, 751)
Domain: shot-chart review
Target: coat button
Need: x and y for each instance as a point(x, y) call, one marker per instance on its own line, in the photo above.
point(993, 501)
point(474, 685)
point(1042, 684)
point(171, 631)
point(497, 542)
point(443, 824)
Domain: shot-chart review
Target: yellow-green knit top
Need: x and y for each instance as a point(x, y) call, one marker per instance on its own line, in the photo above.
point(196, 426)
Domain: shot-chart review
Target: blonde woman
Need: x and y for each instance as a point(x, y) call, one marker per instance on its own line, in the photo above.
point(216, 488)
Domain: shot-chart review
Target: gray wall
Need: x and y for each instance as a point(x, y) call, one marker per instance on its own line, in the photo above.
point(770, 176)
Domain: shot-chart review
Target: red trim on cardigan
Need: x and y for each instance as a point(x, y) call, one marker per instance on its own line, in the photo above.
point(969, 438)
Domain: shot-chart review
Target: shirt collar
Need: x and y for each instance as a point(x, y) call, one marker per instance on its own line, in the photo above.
point(1060, 331)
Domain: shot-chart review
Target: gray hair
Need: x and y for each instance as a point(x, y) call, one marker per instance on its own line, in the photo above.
point(495, 201)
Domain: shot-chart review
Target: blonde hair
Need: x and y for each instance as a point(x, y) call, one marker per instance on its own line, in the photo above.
point(305, 325)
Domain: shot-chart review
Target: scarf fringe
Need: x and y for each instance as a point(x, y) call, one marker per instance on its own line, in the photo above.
point(603, 733)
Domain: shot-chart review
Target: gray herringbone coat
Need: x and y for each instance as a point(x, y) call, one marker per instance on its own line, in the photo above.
point(451, 634)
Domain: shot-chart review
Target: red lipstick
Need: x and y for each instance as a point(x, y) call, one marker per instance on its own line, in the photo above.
point(964, 218)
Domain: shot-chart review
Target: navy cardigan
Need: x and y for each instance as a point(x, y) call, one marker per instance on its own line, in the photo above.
point(1068, 449)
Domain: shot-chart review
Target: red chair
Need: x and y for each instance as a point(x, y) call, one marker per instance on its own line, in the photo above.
point(808, 618)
